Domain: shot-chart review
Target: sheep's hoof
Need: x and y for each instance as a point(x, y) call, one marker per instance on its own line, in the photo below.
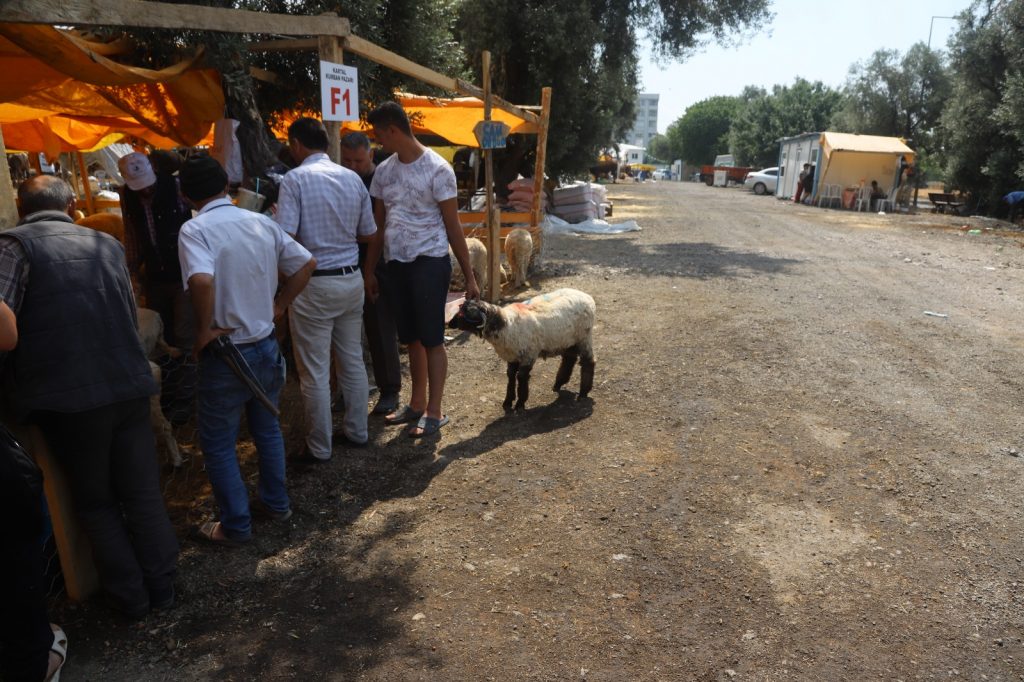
point(520, 407)
point(507, 405)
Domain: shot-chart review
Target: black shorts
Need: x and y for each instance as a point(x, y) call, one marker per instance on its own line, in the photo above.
point(417, 293)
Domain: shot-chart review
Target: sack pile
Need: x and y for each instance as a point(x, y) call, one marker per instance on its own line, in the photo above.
point(581, 201)
point(521, 196)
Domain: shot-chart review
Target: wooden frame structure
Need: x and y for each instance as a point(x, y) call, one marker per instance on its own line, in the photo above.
point(330, 35)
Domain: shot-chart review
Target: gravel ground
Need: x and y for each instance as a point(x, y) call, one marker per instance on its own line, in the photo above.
point(788, 470)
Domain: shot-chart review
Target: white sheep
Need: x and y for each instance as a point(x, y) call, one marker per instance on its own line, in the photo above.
point(518, 249)
point(151, 333)
point(558, 323)
point(477, 261)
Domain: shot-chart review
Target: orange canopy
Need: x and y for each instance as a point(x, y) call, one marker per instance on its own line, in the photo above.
point(62, 92)
point(450, 118)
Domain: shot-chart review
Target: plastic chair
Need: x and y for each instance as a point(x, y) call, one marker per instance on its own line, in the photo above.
point(831, 193)
point(888, 203)
point(863, 199)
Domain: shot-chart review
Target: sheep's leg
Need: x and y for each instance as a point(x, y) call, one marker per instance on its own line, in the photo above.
point(510, 391)
point(565, 368)
point(524, 385)
point(587, 363)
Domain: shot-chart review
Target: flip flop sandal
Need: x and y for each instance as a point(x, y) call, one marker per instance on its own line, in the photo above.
point(403, 416)
point(59, 647)
point(428, 426)
point(208, 532)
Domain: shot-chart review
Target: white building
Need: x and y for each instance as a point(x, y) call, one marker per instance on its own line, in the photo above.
point(631, 154)
point(645, 125)
point(794, 152)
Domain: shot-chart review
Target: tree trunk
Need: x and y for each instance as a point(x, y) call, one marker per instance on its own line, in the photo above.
point(241, 106)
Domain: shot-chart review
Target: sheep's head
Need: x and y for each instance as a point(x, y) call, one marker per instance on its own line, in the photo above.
point(477, 317)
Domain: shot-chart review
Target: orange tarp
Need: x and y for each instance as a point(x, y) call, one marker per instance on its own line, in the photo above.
point(453, 119)
point(83, 97)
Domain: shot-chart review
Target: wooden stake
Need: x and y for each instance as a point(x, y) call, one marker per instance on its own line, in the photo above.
point(493, 221)
point(8, 206)
point(330, 51)
point(541, 153)
point(90, 205)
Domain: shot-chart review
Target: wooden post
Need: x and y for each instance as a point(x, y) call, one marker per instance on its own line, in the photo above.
point(493, 222)
point(8, 206)
point(90, 205)
point(541, 153)
point(330, 51)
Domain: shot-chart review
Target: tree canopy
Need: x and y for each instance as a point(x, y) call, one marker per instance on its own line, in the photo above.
point(702, 132)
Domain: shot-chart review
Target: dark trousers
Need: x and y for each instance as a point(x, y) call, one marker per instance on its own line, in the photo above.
point(381, 335)
point(25, 635)
point(109, 457)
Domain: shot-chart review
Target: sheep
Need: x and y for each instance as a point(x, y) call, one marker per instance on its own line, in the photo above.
point(518, 249)
point(477, 261)
point(151, 334)
point(111, 223)
point(558, 323)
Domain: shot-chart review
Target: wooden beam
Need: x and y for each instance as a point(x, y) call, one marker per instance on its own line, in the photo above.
point(8, 205)
point(288, 45)
point(541, 154)
point(263, 75)
point(165, 15)
point(330, 51)
point(395, 62)
point(493, 219)
point(83, 172)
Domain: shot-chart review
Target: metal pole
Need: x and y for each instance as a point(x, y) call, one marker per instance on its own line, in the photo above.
point(931, 25)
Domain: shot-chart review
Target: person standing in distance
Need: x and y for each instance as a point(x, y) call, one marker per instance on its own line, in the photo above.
point(327, 209)
point(230, 260)
point(417, 218)
point(381, 336)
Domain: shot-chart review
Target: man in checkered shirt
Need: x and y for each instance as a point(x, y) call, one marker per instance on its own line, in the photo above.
point(327, 209)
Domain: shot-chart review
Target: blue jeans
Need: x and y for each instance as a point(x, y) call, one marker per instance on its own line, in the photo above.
point(222, 397)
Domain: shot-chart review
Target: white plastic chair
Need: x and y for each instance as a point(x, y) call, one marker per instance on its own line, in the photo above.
point(887, 203)
point(863, 199)
point(831, 193)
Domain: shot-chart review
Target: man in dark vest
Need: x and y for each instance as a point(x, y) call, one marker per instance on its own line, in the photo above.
point(80, 374)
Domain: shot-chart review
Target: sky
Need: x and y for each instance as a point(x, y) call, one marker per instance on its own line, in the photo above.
point(813, 40)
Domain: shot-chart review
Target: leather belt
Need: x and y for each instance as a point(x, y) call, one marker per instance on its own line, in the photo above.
point(334, 272)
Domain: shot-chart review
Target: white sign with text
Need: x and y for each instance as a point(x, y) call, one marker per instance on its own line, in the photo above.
point(339, 92)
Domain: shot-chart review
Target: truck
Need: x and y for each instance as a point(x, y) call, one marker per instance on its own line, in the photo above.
point(727, 163)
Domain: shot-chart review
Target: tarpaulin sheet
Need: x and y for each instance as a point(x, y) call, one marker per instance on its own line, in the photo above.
point(84, 97)
point(450, 118)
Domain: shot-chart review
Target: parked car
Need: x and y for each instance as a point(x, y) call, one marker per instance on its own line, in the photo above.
point(763, 181)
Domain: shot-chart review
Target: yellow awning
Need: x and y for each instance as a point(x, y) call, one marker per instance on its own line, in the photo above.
point(872, 144)
point(63, 82)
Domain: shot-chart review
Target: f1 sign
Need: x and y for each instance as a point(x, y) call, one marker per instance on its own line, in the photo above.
point(491, 134)
point(339, 92)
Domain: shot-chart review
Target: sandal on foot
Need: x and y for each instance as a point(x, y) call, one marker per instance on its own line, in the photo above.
point(59, 647)
point(208, 532)
point(428, 426)
point(403, 416)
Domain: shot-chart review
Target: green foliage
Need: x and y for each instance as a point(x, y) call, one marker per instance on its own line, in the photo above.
point(702, 132)
point(765, 118)
point(983, 122)
point(660, 149)
point(894, 96)
point(587, 51)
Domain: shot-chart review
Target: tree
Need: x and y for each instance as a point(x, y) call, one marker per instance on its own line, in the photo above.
point(587, 50)
point(660, 149)
point(765, 118)
point(982, 126)
point(702, 132)
point(894, 96)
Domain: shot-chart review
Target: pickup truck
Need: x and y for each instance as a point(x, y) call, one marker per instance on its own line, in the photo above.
point(734, 174)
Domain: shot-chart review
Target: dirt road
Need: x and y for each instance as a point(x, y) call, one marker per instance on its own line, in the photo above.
point(788, 471)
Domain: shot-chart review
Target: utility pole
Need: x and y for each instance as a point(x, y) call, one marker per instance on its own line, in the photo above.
point(931, 25)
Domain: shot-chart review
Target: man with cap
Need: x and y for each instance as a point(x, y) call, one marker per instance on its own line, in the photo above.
point(154, 211)
point(327, 208)
point(80, 374)
point(381, 335)
point(230, 260)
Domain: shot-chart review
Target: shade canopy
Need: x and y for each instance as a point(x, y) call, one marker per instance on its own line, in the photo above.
point(851, 160)
point(62, 91)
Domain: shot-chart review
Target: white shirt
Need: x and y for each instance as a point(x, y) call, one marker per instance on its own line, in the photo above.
point(411, 192)
point(325, 206)
point(243, 251)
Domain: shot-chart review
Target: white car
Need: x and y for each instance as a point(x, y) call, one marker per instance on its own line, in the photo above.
point(763, 181)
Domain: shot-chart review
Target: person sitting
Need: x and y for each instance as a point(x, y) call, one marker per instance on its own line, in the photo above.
point(876, 194)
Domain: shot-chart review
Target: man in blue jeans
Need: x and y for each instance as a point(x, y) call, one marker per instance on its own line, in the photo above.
point(230, 260)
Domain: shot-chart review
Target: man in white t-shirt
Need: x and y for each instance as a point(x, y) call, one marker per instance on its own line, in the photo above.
point(417, 218)
point(230, 260)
